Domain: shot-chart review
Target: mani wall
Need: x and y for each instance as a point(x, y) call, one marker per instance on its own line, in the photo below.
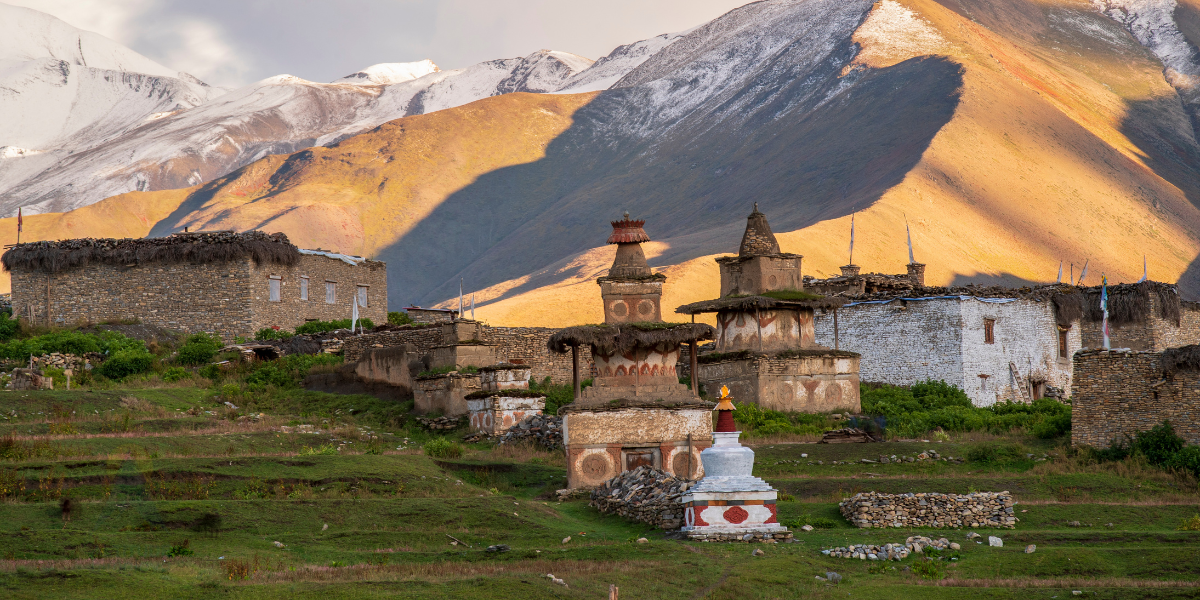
point(517, 345)
point(906, 341)
point(1121, 392)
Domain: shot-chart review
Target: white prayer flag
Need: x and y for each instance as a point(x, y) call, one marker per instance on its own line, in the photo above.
point(1145, 273)
point(1059, 280)
point(911, 260)
point(354, 313)
point(1084, 273)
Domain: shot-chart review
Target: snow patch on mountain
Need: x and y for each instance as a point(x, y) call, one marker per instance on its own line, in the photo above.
point(893, 33)
point(607, 71)
point(1152, 23)
point(390, 73)
point(26, 34)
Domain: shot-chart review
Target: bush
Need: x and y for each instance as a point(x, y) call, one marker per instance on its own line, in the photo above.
point(443, 448)
point(324, 450)
point(173, 374)
point(995, 453)
point(272, 333)
point(312, 327)
point(1192, 524)
point(127, 362)
point(757, 421)
point(198, 349)
point(8, 326)
point(556, 395)
point(1159, 445)
point(399, 318)
point(932, 405)
point(1187, 459)
point(182, 549)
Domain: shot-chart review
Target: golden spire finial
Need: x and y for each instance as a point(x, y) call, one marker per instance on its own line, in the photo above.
point(725, 403)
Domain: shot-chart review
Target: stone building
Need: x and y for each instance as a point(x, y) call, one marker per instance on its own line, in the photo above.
point(1121, 392)
point(221, 282)
point(999, 344)
point(636, 412)
point(766, 349)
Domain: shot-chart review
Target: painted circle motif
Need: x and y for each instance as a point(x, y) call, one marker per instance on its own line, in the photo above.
point(736, 515)
point(593, 466)
point(620, 309)
point(679, 465)
point(833, 394)
point(645, 307)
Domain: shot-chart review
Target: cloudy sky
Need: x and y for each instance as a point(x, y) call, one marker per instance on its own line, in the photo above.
point(233, 42)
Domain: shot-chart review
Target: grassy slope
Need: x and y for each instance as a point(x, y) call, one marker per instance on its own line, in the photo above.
point(349, 510)
point(1053, 153)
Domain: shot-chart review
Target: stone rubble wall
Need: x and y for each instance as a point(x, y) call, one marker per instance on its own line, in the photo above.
point(1116, 394)
point(980, 509)
point(56, 360)
point(519, 345)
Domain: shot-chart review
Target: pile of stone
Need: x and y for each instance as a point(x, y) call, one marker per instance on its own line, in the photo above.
point(442, 423)
point(914, 545)
point(29, 379)
point(980, 509)
point(57, 360)
point(848, 435)
point(544, 430)
point(922, 457)
point(644, 494)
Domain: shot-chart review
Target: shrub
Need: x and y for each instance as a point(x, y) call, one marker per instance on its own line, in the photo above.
point(325, 450)
point(181, 549)
point(272, 333)
point(8, 326)
point(127, 362)
point(995, 453)
point(760, 421)
point(934, 405)
point(399, 318)
point(312, 327)
point(173, 374)
point(1192, 524)
point(1159, 445)
point(443, 448)
point(198, 349)
point(1187, 459)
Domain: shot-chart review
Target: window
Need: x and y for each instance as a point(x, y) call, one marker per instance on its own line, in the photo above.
point(362, 296)
point(989, 331)
point(304, 287)
point(330, 292)
point(983, 382)
point(1062, 343)
point(273, 284)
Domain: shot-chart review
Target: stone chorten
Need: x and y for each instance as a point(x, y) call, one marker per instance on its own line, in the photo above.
point(730, 503)
point(635, 412)
point(765, 332)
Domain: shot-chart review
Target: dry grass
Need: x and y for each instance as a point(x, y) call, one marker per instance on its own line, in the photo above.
point(564, 569)
point(1134, 467)
point(1062, 582)
point(526, 452)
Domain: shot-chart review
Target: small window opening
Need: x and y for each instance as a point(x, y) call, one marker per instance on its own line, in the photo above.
point(304, 287)
point(362, 296)
point(273, 283)
point(1062, 343)
point(983, 382)
point(330, 292)
point(989, 331)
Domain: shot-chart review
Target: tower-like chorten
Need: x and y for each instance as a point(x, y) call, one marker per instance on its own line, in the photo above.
point(636, 411)
point(766, 348)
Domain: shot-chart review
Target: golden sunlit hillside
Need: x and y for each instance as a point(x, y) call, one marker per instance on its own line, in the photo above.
point(1011, 134)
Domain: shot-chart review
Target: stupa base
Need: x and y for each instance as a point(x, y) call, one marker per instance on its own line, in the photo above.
point(766, 537)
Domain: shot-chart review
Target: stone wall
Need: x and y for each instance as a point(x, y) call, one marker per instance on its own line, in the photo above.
point(227, 298)
point(811, 384)
point(212, 297)
point(980, 509)
point(291, 310)
point(519, 345)
point(1155, 334)
point(1115, 394)
point(602, 444)
point(903, 342)
point(444, 394)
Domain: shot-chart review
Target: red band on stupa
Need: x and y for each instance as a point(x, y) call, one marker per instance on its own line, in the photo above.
point(725, 421)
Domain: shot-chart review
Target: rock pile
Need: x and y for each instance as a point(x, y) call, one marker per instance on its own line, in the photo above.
point(644, 494)
point(29, 379)
point(882, 460)
point(442, 423)
point(544, 430)
point(980, 509)
point(848, 435)
point(914, 545)
point(56, 360)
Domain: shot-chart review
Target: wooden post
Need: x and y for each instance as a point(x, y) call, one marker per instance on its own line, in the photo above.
point(575, 370)
point(692, 349)
point(612, 592)
point(835, 330)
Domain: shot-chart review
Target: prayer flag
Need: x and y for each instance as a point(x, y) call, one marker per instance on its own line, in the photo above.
point(1084, 273)
point(911, 260)
point(1145, 273)
point(1059, 280)
point(1104, 307)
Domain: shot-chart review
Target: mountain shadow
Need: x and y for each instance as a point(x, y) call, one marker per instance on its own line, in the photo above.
point(806, 148)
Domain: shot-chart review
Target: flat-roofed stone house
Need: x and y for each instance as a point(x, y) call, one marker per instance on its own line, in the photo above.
point(232, 284)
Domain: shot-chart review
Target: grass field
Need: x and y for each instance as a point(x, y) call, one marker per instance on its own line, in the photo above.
point(173, 494)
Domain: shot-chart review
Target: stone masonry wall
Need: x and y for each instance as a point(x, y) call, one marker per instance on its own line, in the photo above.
point(521, 345)
point(212, 297)
point(1025, 336)
point(291, 311)
point(1115, 394)
point(980, 509)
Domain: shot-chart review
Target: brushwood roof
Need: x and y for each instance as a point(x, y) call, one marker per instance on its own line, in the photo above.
point(207, 247)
